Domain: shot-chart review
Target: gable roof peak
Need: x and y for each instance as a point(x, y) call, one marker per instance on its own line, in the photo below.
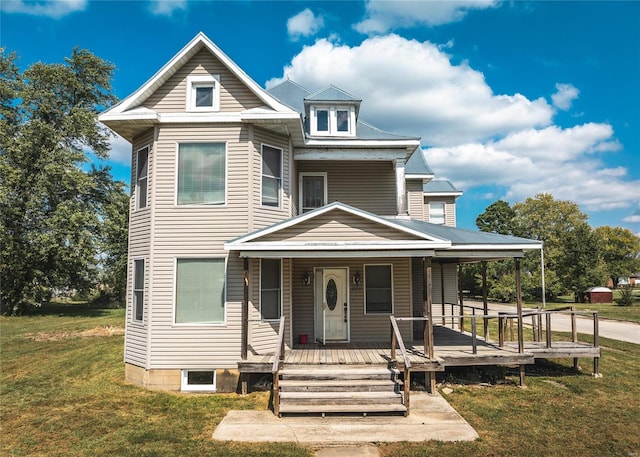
point(333, 94)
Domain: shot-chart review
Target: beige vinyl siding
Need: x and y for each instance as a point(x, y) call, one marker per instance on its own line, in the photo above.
point(265, 216)
point(364, 328)
point(135, 348)
point(337, 225)
point(449, 209)
point(171, 97)
point(415, 199)
point(183, 231)
point(450, 286)
point(368, 185)
point(263, 335)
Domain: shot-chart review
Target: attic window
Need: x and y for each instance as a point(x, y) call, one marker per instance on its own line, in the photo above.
point(203, 93)
point(333, 120)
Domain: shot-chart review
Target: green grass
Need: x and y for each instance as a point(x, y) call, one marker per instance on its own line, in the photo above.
point(62, 393)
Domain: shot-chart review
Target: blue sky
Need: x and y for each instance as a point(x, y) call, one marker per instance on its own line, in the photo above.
point(510, 98)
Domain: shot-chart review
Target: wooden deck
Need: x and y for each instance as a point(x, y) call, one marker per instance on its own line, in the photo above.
point(452, 348)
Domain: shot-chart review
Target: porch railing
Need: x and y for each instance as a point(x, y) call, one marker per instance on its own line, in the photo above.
point(277, 365)
point(396, 340)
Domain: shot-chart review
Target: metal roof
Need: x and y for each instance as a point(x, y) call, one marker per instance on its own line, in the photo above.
point(417, 164)
point(291, 94)
point(333, 94)
point(440, 186)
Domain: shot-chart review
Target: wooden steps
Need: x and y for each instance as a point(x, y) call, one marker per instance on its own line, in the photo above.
point(339, 389)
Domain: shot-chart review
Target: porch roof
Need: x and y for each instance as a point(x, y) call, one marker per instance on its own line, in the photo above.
point(330, 231)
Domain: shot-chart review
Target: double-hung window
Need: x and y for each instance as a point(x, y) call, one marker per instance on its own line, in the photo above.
point(436, 212)
point(332, 120)
point(313, 191)
point(270, 288)
point(200, 291)
point(271, 175)
point(378, 285)
point(201, 173)
point(138, 290)
point(142, 173)
point(203, 93)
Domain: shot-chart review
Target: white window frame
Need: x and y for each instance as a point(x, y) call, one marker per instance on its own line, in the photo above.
point(198, 81)
point(260, 292)
point(186, 387)
point(223, 323)
point(333, 120)
point(226, 174)
point(138, 205)
point(301, 177)
point(280, 186)
point(364, 288)
point(134, 291)
point(444, 212)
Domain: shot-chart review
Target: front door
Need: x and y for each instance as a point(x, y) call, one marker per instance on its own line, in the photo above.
point(334, 305)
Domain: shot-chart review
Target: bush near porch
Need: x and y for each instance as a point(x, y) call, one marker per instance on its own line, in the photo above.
point(63, 394)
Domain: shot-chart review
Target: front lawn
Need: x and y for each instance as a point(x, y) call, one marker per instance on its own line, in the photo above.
point(63, 393)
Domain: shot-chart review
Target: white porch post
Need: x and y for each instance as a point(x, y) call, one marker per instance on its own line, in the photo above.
point(401, 187)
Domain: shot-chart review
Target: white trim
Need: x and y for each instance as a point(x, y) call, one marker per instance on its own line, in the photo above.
point(281, 186)
point(223, 323)
point(136, 206)
point(332, 120)
point(364, 289)
point(186, 387)
point(335, 254)
point(196, 81)
point(442, 194)
point(262, 319)
point(301, 176)
point(408, 145)
point(343, 152)
point(337, 245)
point(226, 175)
point(419, 176)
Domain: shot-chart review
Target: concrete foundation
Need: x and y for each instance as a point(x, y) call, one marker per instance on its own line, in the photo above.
point(170, 380)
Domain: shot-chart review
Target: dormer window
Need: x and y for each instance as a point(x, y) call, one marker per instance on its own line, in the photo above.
point(332, 120)
point(203, 93)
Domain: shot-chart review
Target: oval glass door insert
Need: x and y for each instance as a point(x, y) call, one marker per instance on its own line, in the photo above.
point(331, 294)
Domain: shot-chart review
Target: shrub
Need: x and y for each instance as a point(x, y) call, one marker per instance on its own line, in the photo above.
point(625, 296)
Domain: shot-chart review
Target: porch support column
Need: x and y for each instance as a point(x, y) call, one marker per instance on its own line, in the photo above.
point(442, 292)
point(401, 187)
point(520, 328)
point(485, 303)
point(461, 299)
point(428, 328)
point(245, 310)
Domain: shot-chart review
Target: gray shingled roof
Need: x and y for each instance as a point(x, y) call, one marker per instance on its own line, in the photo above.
point(417, 164)
point(459, 236)
point(440, 186)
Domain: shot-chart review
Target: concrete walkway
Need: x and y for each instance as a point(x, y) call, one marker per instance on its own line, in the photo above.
point(615, 330)
point(431, 418)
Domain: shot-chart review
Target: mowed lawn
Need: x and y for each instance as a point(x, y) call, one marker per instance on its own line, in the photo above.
point(63, 393)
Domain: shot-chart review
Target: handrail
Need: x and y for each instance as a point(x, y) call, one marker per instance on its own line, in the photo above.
point(396, 337)
point(278, 357)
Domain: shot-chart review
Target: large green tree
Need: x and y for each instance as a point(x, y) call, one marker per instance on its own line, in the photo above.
point(620, 252)
point(497, 218)
point(51, 198)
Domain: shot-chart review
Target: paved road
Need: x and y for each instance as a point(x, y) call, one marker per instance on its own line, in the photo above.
point(616, 330)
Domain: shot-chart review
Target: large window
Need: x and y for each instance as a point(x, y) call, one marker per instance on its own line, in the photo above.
point(201, 173)
point(270, 288)
point(271, 176)
point(142, 172)
point(200, 295)
point(203, 93)
point(436, 213)
point(378, 289)
point(138, 290)
point(313, 191)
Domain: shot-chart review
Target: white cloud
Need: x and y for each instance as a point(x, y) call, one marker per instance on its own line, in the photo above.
point(120, 150)
point(565, 95)
point(166, 7)
point(50, 8)
point(382, 16)
point(477, 138)
point(633, 218)
point(408, 87)
point(304, 24)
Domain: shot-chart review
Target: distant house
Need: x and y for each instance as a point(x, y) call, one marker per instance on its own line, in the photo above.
point(253, 207)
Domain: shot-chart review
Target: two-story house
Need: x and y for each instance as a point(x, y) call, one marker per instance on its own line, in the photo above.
point(251, 205)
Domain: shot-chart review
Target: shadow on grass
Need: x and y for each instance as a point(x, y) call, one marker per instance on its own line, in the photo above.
point(68, 309)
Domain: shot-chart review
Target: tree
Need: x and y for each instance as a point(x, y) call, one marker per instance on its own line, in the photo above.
point(51, 201)
point(497, 218)
point(114, 241)
point(620, 252)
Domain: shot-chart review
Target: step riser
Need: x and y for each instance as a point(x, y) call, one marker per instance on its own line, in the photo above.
point(336, 377)
point(341, 401)
point(338, 388)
